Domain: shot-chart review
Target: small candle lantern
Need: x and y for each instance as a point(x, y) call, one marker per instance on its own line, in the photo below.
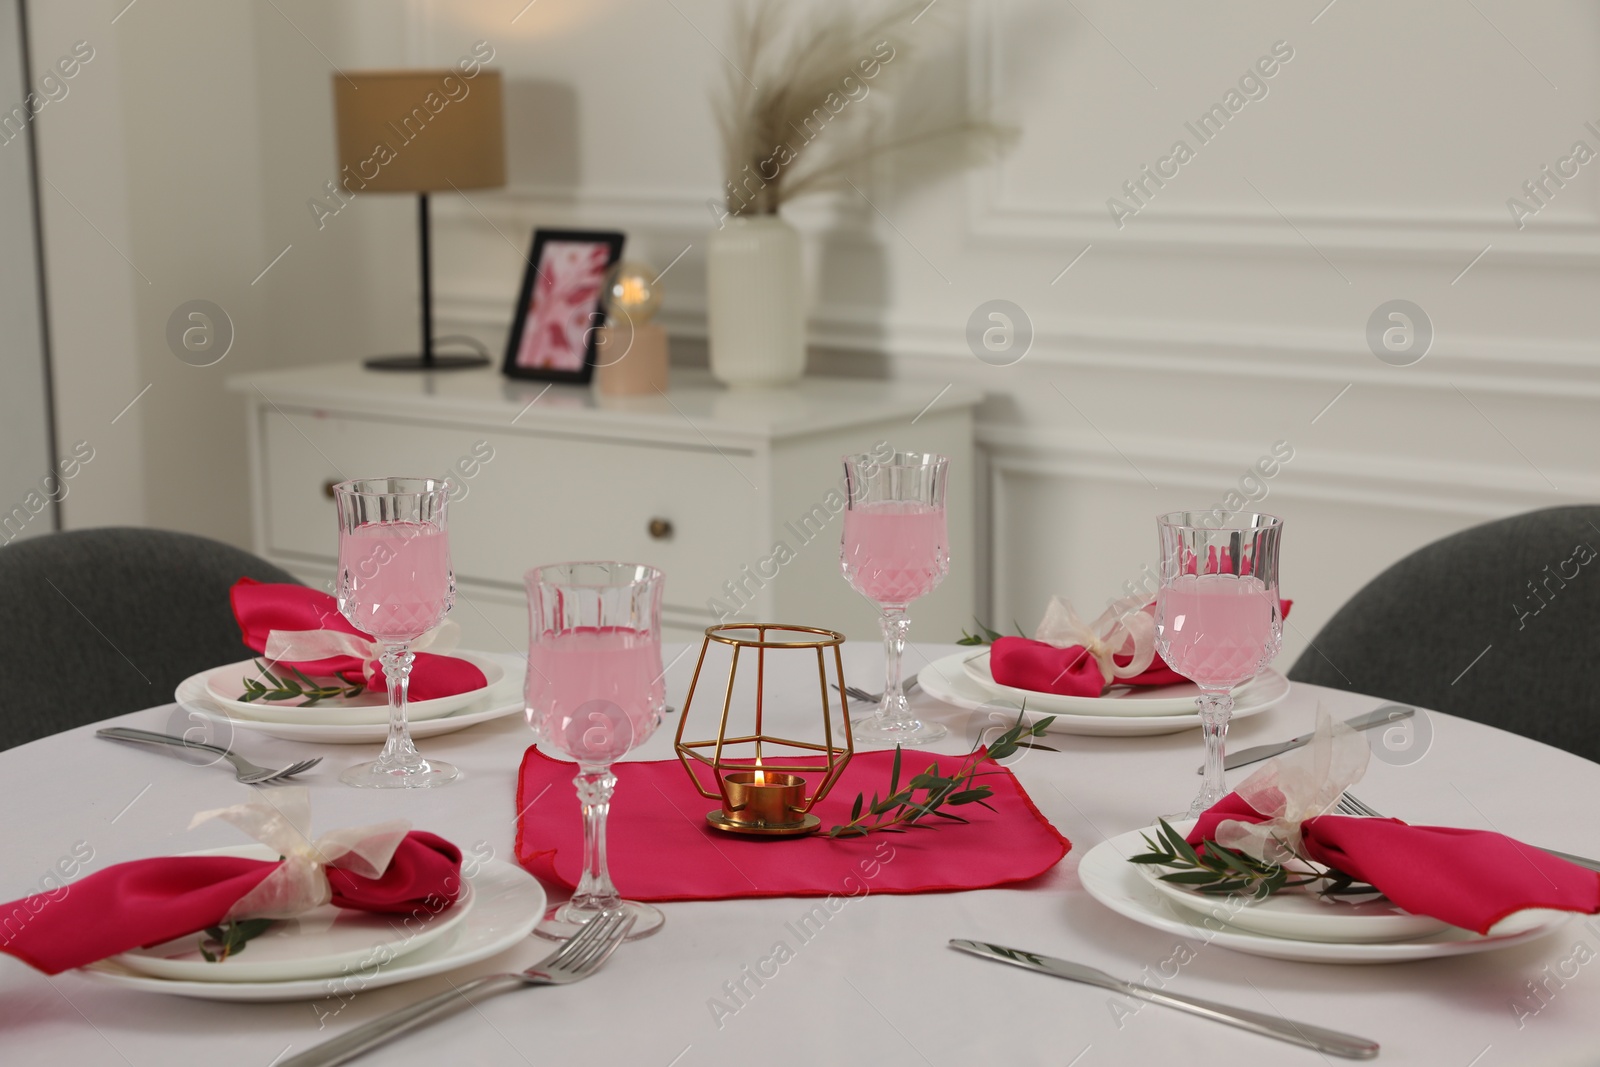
point(760, 778)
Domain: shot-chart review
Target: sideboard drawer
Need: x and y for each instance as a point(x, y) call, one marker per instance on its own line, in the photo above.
point(532, 498)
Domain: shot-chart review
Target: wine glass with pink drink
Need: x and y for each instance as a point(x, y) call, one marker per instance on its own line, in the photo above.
point(1218, 621)
point(395, 584)
point(895, 550)
point(594, 692)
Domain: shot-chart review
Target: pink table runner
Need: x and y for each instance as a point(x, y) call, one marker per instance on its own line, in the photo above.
point(661, 847)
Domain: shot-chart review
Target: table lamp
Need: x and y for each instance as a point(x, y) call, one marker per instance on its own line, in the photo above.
point(420, 131)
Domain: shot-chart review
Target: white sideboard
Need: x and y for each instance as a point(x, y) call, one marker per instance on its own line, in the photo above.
point(702, 481)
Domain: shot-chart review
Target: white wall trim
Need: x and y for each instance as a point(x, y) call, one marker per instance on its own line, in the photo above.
point(1455, 488)
point(1488, 365)
point(993, 218)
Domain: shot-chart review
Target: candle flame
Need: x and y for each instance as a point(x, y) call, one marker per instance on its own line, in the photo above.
point(761, 775)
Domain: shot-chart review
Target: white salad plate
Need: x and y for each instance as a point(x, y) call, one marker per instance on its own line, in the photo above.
point(1265, 689)
point(1121, 886)
point(507, 902)
point(318, 943)
point(225, 686)
point(946, 679)
point(501, 699)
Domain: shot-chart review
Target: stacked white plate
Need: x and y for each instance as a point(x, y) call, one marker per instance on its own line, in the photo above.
point(217, 693)
point(1289, 925)
point(331, 952)
point(964, 680)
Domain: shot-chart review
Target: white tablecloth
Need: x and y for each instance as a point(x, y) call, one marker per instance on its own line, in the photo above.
point(878, 985)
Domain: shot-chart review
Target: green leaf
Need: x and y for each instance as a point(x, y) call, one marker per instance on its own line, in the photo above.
point(855, 809)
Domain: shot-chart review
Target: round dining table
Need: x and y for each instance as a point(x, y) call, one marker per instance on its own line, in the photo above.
point(878, 984)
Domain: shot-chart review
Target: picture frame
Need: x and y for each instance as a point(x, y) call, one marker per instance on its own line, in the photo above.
point(561, 302)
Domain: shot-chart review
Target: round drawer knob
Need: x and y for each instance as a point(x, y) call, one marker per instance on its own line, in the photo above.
point(661, 529)
point(327, 487)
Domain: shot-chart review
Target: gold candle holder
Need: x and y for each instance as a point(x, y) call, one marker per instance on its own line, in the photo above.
point(761, 778)
point(764, 801)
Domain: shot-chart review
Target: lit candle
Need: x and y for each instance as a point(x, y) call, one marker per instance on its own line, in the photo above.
point(764, 799)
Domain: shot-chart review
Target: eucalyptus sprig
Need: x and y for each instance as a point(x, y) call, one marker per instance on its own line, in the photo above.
point(902, 808)
point(287, 688)
point(229, 939)
point(985, 636)
point(1218, 871)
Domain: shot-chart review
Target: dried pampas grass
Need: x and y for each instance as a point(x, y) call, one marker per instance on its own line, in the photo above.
point(794, 119)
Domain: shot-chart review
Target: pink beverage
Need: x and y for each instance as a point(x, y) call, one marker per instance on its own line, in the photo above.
point(398, 585)
point(1216, 628)
point(894, 551)
point(595, 693)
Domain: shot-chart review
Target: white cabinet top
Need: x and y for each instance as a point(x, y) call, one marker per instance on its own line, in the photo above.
point(812, 405)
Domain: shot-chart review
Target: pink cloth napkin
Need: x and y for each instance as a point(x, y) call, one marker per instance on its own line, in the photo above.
point(261, 607)
point(661, 848)
point(1023, 663)
point(147, 902)
point(1467, 878)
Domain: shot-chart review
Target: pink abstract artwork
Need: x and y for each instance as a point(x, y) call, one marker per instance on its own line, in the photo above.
point(566, 295)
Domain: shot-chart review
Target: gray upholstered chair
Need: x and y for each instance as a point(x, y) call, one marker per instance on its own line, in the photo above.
point(1499, 624)
point(106, 621)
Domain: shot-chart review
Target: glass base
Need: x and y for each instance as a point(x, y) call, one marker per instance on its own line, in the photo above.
point(564, 920)
point(876, 730)
point(1199, 807)
point(377, 774)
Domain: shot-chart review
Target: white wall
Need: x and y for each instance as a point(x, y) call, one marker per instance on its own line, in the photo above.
point(91, 267)
point(28, 486)
point(1223, 317)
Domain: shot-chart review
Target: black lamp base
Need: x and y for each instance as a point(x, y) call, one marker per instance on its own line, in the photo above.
point(438, 362)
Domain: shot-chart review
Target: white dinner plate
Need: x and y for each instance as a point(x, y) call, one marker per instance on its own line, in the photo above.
point(1268, 686)
point(947, 680)
point(321, 942)
point(1296, 914)
point(225, 685)
point(503, 698)
point(1108, 876)
point(507, 904)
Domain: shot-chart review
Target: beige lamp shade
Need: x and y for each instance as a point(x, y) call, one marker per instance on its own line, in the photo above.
point(414, 131)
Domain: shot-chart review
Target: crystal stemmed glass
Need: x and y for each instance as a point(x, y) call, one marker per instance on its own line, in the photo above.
point(1217, 616)
point(895, 549)
point(594, 691)
point(395, 584)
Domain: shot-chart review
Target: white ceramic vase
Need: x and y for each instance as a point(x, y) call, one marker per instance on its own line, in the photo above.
point(757, 302)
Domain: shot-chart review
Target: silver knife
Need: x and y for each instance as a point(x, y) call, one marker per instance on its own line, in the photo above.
point(1383, 716)
point(1303, 1034)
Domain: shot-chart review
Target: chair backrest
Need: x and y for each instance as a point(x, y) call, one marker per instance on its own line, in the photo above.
point(105, 621)
point(1498, 624)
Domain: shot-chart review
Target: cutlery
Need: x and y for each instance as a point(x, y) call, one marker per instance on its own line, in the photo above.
point(1304, 1034)
point(861, 695)
point(247, 772)
point(1386, 714)
point(574, 961)
point(1349, 805)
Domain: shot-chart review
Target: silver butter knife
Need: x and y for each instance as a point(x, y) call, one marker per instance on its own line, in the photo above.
point(1304, 1034)
point(1382, 717)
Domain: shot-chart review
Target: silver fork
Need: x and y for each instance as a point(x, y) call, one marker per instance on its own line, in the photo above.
point(574, 961)
point(1349, 805)
point(857, 693)
point(247, 772)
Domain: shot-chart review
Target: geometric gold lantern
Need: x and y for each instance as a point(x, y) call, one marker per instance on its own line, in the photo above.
point(761, 779)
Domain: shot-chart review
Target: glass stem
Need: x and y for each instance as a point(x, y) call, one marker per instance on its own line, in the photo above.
point(398, 749)
point(894, 707)
point(595, 891)
point(1215, 709)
